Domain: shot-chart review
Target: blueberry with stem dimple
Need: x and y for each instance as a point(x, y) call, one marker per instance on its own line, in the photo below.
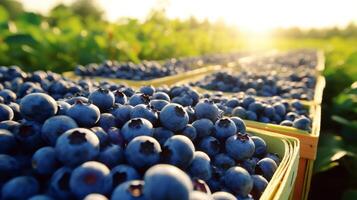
point(102, 98)
point(76, 146)
point(143, 152)
point(137, 127)
point(240, 146)
point(174, 117)
point(224, 128)
point(130, 190)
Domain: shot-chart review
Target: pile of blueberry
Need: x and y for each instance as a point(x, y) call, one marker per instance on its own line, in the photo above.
point(298, 60)
point(274, 110)
point(148, 70)
point(61, 139)
point(290, 85)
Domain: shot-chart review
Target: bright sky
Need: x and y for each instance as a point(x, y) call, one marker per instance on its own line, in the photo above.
point(253, 15)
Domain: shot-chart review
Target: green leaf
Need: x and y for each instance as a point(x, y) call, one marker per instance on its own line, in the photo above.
point(20, 39)
point(30, 18)
point(330, 150)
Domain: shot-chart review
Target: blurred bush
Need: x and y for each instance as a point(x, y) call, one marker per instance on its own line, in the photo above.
point(78, 34)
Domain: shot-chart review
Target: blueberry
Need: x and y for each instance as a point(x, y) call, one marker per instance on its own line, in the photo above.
point(136, 127)
point(115, 136)
point(249, 164)
point(128, 91)
point(76, 146)
point(122, 173)
point(161, 96)
point(207, 109)
point(85, 114)
point(263, 119)
point(247, 101)
point(297, 104)
point(21, 187)
point(239, 112)
point(59, 183)
point(266, 167)
point(38, 107)
point(7, 141)
point(238, 180)
point(6, 113)
point(9, 167)
point(54, 126)
point(240, 125)
point(174, 183)
point(216, 181)
point(16, 110)
point(8, 96)
point(210, 145)
point(10, 125)
point(200, 166)
point(139, 98)
point(130, 190)
point(144, 111)
point(269, 111)
point(279, 109)
point(274, 157)
point(158, 104)
point(302, 123)
point(106, 121)
point(122, 114)
point(95, 196)
point(234, 102)
point(178, 150)
point(223, 196)
point(203, 127)
point(223, 161)
point(120, 97)
point(143, 152)
point(90, 177)
point(224, 128)
point(162, 134)
point(240, 146)
point(28, 135)
point(102, 98)
point(251, 116)
point(62, 107)
point(148, 90)
point(276, 119)
point(190, 132)
point(259, 185)
point(291, 116)
point(41, 197)
point(44, 161)
point(111, 155)
point(260, 146)
point(191, 113)
point(286, 123)
point(102, 135)
point(256, 107)
point(174, 117)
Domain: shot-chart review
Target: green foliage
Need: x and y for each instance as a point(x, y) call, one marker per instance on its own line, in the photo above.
point(77, 34)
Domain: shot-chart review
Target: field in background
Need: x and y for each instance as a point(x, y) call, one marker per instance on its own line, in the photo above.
point(67, 37)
